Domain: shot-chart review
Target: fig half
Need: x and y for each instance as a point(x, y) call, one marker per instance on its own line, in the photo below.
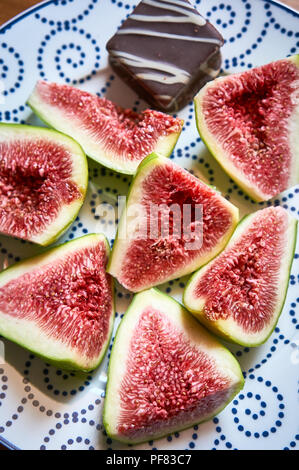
point(250, 123)
point(240, 294)
point(166, 372)
point(43, 182)
point(60, 304)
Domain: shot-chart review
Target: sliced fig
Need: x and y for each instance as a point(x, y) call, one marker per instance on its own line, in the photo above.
point(59, 305)
point(43, 182)
point(240, 294)
point(113, 136)
point(250, 123)
point(145, 258)
point(166, 372)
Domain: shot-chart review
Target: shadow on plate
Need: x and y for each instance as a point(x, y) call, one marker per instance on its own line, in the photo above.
point(56, 384)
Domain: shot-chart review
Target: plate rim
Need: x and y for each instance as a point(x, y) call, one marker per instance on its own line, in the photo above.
point(16, 19)
point(44, 3)
point(9, 445)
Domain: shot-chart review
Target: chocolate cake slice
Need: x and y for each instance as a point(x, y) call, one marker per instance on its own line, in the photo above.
point(166, 51)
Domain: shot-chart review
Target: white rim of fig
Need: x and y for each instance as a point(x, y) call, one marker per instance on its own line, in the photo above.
point(195, 334)
point(229, 328)
point(121, 245)
point(27, 333)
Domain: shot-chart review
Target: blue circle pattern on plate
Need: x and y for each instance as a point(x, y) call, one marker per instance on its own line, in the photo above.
point(3, 385)
point(256, 400)
point(224, 10)
point(12, 75)
point(16, 80)
point(61, 3)
point(68, 57)
point(223, 16)
point(221, 439)
point(275, 341)
point(56, 381)
point(74, 418)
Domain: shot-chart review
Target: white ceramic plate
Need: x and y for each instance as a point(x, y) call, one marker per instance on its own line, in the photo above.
point(44, 408)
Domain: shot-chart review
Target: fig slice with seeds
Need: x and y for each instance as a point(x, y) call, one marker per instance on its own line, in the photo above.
point(117, 138)
point(146, 251)
point(43, 182)
point(166, 372)
point(250, 123)
point(60, 304)
point(240, 294)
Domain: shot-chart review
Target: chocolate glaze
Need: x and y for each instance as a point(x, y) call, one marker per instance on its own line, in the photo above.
point(166, 61)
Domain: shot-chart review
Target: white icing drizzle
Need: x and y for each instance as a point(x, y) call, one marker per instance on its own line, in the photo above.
point(177, 75)
point(187, 16)
point(167, 19)
point(164, 97)
point(159, 34)
point(180, 3)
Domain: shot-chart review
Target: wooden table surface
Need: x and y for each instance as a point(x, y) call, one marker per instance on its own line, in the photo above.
point(10, 8)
